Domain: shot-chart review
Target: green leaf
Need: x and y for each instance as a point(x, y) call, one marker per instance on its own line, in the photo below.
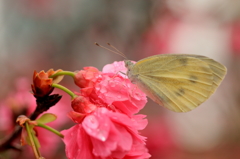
point(33, 133)
point(47, 118)
point(50, 129)
point(35, 139)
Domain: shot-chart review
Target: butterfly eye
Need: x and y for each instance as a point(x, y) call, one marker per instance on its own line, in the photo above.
point(128, 63)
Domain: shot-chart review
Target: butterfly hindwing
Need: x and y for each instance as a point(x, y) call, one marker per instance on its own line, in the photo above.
point(178, 82)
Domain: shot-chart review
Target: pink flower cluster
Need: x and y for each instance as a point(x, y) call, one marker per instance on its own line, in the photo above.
point(104, 110)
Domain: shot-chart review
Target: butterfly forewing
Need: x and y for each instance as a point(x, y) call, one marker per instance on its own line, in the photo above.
point(178, 82)
point(219, 71)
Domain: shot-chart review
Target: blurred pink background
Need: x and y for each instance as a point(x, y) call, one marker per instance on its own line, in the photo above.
point(43, 34)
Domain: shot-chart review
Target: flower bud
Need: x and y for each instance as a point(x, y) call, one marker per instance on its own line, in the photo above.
point(87, 77)
point(42, 83)
point(82, 105)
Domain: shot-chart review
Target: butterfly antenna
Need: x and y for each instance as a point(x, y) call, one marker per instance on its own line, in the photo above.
point(115, 52)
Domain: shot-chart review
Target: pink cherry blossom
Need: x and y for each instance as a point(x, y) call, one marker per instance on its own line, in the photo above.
point(106, 134)
point(104, 110)
point(116, 68)
point(109, 89)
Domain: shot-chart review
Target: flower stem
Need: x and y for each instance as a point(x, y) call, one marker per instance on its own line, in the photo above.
point(33, 144)
point(64, 89)
point(50, 129)
point(69, 73)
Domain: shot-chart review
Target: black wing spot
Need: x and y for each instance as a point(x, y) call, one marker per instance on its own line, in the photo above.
point(193, 79)
point(183, 61)
point(180, 92)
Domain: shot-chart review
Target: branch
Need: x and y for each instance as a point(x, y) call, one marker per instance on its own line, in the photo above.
point(43, 104)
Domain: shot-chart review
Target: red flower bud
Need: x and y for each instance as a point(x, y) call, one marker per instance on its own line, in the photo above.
point(87, 77)
point(82, 105)
point(42, 83)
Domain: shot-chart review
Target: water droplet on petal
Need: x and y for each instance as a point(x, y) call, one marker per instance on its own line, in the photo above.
point(101, 134)
point(92, 122)
point(103, 138)
point(103, 90)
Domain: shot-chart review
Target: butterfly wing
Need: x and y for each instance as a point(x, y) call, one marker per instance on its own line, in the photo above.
point(178, 82)
point(219, 71)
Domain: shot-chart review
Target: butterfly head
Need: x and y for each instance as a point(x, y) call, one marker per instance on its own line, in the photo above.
point(128, 64)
